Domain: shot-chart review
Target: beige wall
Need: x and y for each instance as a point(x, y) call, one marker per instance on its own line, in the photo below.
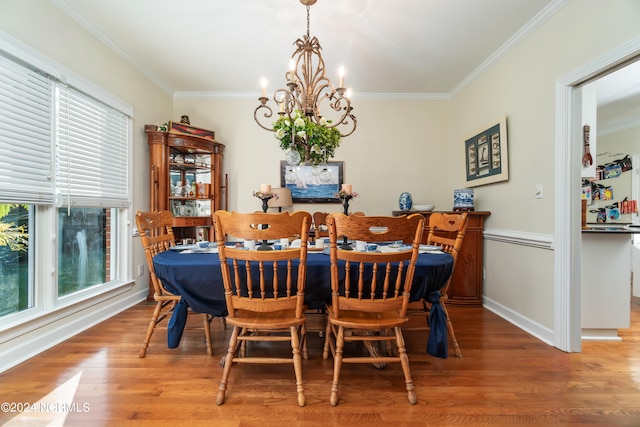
point(398, 146)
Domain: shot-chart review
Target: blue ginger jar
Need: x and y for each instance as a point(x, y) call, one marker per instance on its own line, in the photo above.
point(405, 201)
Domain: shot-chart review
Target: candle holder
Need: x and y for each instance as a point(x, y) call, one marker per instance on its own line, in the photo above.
point(265, 197)
point(265, 203)
point(345, 203)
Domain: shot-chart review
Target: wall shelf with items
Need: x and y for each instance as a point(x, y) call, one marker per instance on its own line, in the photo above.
point(608, 195)
point(186, 178)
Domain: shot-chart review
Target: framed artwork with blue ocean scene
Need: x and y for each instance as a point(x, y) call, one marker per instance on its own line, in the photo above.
point(312, 184)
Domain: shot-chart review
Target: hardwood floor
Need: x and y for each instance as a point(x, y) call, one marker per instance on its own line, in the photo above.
point(505, 377)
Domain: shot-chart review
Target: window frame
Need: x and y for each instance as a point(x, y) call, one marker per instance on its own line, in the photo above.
point(47, 305)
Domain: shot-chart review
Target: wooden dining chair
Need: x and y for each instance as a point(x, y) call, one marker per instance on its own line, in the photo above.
point(447, 231)
point(156, 235)
point(320, 224)
point(264, 289)
point(370, 291)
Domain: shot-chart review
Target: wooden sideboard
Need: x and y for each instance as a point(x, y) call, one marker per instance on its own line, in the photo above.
point(466, 284)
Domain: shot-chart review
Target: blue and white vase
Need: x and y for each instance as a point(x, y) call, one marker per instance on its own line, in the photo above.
point(405, 201)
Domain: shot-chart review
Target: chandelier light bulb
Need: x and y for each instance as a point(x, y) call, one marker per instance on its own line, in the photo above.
point(263, 83)
point(292, 67)
point(341, 74)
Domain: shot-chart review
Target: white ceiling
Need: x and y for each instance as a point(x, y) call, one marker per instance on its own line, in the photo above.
point(403, 48)
point(386, 46)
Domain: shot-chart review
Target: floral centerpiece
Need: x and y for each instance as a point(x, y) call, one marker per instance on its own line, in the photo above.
point(265, 195)
point(316, 143)
point(342, 195)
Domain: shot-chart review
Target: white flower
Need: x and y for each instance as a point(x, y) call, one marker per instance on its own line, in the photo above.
point(316, 149)
point(299, 123)
point(280, 133)
point(323, 121)
point(287, 123)
point(301, 134)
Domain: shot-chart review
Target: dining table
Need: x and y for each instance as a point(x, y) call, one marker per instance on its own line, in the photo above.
point(196, 276)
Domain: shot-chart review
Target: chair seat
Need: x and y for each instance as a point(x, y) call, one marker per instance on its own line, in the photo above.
point(266, 320)
point(362, 320)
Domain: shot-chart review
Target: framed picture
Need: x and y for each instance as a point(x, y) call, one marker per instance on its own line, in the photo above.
point(191, 130)
point(312, 184)
point(486, 155)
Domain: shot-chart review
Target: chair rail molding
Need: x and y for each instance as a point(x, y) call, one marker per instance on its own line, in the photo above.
point(541, 241)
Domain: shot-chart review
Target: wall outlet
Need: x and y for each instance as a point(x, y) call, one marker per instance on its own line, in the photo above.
point(140, 269)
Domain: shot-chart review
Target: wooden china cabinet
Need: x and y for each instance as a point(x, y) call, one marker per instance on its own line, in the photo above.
point(186, 178)
point(466, 284)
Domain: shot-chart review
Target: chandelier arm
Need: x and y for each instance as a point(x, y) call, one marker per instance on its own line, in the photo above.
point(267, 114)
point(354, 124)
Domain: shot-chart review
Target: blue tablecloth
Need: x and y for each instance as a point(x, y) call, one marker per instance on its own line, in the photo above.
point(197, 278)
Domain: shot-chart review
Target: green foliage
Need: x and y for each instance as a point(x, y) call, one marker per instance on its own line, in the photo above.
point(15, 237)
point(316, 143)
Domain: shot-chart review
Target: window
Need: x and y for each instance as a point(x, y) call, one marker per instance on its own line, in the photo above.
point(16, 288)
point(64, 187)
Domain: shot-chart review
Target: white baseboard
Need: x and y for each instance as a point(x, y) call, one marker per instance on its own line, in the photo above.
point(541, 332)
point(16, 351)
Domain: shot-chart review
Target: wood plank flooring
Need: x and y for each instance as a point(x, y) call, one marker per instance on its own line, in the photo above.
point(505, 378)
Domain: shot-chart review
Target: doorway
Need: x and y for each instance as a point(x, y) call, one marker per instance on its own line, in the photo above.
point(567, 232)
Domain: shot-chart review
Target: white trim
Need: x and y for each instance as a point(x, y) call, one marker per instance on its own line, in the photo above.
point(567, 233)
point(539, 331)
point(370, 96)
point(69, 10)
point(63, 326)
point(542, 17)
point(33, 319)
point(36, 59)
point(541, 241)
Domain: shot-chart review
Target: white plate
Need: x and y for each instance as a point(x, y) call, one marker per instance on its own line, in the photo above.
point(423, 208)
point(430, 248)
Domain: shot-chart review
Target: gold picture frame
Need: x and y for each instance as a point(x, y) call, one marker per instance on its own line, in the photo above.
point(486, 155)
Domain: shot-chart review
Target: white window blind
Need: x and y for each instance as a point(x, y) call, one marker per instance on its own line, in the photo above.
point(92, 157)
point(26, 148)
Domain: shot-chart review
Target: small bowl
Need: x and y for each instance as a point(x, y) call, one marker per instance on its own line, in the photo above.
point(203, 245)
point(424, 208)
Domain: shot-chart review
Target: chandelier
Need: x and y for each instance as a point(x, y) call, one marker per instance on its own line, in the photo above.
point(307, 89)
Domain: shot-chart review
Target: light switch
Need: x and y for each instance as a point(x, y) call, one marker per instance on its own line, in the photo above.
point(539, 191)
